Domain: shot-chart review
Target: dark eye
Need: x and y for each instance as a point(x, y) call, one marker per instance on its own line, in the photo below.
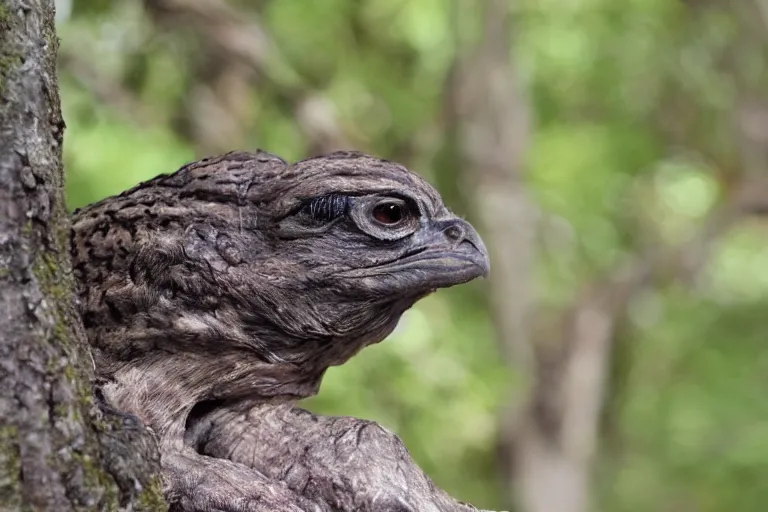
point(390, 212)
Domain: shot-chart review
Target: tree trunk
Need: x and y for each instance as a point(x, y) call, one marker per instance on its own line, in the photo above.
point(57, 452)
point(493, 118)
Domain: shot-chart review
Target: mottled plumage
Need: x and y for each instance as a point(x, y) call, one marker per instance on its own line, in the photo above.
point(217, 296)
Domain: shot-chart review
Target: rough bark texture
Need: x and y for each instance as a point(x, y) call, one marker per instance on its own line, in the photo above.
point(57, 452)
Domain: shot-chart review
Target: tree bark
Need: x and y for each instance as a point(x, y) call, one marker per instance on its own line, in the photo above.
point(57, 451)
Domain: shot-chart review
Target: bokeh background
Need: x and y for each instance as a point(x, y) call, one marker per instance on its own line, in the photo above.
point(613, 154)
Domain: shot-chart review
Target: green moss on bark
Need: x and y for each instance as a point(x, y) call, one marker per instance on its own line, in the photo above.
point(9, 57)
point(97, 477)
point(10, 467)
point(151, 498)
point(7, 64)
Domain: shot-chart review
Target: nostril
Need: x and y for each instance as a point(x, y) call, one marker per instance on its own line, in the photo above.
point(455, 233)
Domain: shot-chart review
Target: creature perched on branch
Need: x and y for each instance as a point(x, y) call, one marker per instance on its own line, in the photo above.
point(216, 297)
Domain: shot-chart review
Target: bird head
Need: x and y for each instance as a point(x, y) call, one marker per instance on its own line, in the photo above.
point(296, 262)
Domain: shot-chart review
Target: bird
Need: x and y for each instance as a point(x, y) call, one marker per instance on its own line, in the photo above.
point(216, 297)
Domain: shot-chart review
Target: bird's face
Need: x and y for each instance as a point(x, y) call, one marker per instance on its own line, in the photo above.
point(382, 244)
point(363, 239)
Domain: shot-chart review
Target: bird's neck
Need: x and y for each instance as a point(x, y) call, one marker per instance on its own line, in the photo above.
point(169, 375)
point(162, 391)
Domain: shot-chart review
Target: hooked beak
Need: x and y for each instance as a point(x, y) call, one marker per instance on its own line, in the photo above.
point(444, 252)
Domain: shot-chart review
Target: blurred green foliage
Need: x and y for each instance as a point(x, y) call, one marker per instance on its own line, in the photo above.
point(631, 146)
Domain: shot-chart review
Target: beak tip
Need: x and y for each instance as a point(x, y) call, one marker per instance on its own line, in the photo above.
point(486, 266)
